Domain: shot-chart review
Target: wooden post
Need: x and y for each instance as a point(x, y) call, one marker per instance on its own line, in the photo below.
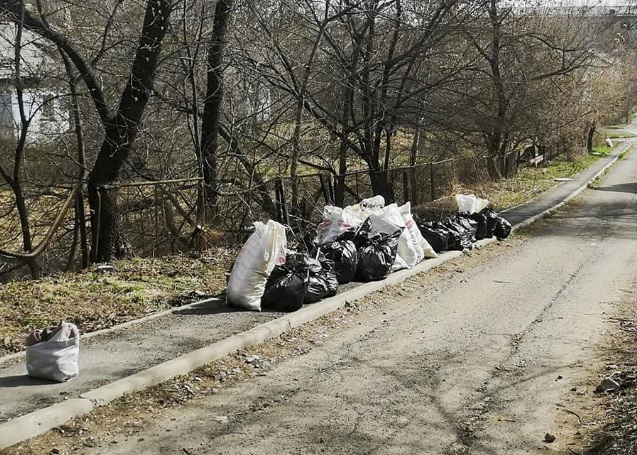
point(156, 243)
point(431, 180)
point(405, 186)
point(282, 211)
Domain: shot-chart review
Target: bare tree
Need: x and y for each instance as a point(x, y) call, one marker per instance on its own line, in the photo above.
point(361, 76)
point(121, 127)
point(522, 51)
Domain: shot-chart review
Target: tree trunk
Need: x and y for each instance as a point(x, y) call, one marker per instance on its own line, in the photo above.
point(495, 161)
point(589, 139)
point(108, 241)
point(212, 105)
point(339, 187)
point(19, 156)
point(381, 184)
point(496, 144)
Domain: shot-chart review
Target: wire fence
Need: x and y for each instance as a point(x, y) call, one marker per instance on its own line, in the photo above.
point(162, 217)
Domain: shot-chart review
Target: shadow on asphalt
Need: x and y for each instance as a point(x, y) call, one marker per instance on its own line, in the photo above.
point(620, 188)
point(218, 307)
point(22, 380)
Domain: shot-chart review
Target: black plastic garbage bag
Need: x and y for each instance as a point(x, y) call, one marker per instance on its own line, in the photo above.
point(491, 222)
point(376, 252)
point(321, 281)
point(437, 238)
point(481, 225)
point(286, 286)
point(344, 256)
point(460, 238)
point(464, 219)
point(502, 228)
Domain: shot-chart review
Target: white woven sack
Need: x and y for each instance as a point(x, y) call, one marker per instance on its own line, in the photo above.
point(409, 251)
point(427, 250)
point(56, 359)
point(264, 249)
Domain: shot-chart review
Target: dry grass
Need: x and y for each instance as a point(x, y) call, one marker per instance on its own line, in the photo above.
point(95, 301)
point(526, 185)
point(615, 432)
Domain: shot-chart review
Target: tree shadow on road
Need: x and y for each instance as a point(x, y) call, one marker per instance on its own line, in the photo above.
point(619, 188)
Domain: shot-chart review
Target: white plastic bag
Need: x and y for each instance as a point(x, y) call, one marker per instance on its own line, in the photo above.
point(371, 204)
point(481, 204)
point(466, 203)
point(368, 206)
point(335, 222)
point(427, 250)
point(408, 250)
point(56, 359)
point(469, 203)
point(264, 249)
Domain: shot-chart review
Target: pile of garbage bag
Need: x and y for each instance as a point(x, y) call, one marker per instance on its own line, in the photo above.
point(364, 242)
point(300, 280)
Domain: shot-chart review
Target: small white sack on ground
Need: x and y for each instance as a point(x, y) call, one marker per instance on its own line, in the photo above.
point(335, 222)
point(264, 249)
point(57, 358)
point(418, 239)
point(608, 142)
point(408, 250)
point(470, 203)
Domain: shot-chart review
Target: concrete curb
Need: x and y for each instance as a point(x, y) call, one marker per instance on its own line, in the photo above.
point(43, 420)
point(195, 359)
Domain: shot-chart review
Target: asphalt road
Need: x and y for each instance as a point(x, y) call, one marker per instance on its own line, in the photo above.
point(479, 362)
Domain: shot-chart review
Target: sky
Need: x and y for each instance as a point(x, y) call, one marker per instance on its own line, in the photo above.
point(572, 2)
point(575, 2)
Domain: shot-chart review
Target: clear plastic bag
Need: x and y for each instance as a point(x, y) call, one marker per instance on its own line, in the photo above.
point(469, 203)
